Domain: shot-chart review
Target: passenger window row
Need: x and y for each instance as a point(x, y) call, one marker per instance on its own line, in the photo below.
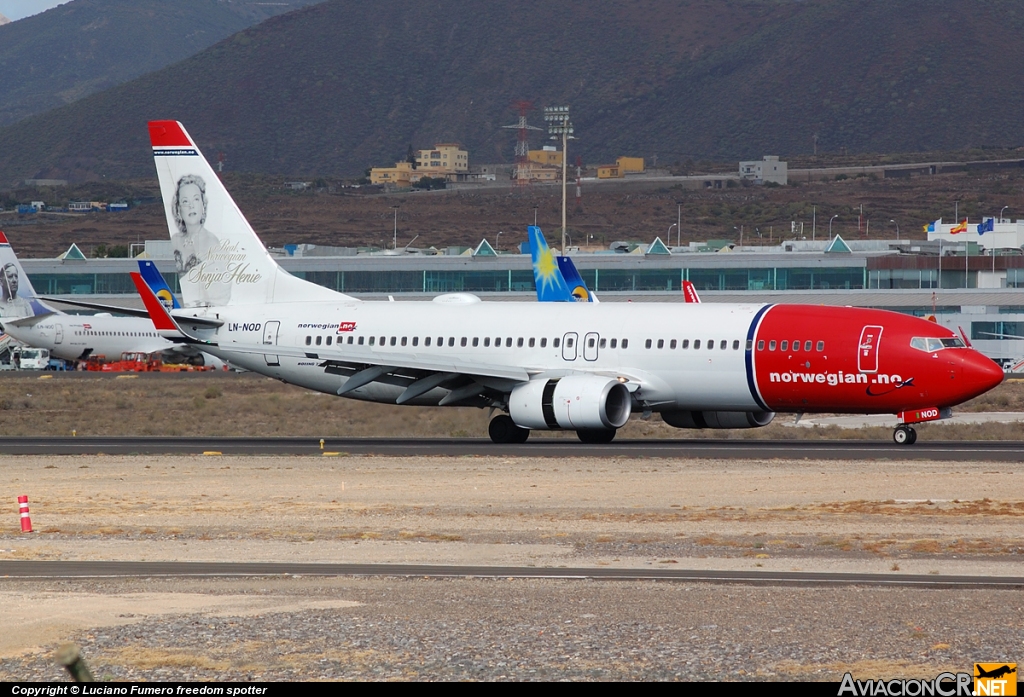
point(487, 342)
point(723, 344)
point(795, 346)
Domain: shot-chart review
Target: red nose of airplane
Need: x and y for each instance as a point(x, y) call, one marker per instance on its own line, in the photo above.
point(980, 374)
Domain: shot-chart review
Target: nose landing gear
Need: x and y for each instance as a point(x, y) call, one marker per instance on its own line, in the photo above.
point(904, 435)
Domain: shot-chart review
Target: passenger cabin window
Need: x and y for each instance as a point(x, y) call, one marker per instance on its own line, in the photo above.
point(661, 343)
point(487, 341)
point(784, 345)
point(696, 343)
point(508, 342)
point(672, 344)
point(821, 346)
point(476, 342)
point(426, 341)
point(361, 340)
point(463, 342)
point(555, 342)
point(807, 346)
point(519, 342)
point(309, 340)
point(711, 344)
point(415, 341)
point(451, 341)
point(647, 344)
point(725, 344)
point(686, 343)
point(614, 341)
point(319, 339)
point(601, 345)
point(796, 345)
point(372, 340)
point(771, 345)
point(329, 340)
point(736, 345)
point(531, 342)
point(625, 343)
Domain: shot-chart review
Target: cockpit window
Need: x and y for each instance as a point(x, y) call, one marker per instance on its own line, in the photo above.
point(931, 344)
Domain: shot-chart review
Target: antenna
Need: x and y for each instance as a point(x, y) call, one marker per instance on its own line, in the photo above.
point(522, 174)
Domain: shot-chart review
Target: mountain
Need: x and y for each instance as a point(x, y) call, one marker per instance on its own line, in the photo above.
point(4, 20)
point(86, 46)
point(341, 86)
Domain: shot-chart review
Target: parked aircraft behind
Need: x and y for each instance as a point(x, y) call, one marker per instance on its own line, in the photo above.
point(544, 365)
point(555, 277)
point(31, 321)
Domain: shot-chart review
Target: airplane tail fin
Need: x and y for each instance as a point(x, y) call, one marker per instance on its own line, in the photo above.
point(551, 286)
point(690, 293)
point(17, 296)
point(220, 259)
point(155, 280)
point(577, 288)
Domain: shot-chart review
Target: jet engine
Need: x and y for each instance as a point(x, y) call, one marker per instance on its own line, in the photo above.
point(718, 419)
point(580, 402)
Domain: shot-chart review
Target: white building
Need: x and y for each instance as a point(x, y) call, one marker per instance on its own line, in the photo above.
point(767, 169)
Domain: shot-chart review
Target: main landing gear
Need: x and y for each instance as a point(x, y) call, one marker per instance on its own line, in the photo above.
point(503, 429)
point(596, 435)
point(904, 435)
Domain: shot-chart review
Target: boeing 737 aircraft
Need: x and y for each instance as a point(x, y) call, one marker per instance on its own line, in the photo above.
point(74, 337)
point(582, 366)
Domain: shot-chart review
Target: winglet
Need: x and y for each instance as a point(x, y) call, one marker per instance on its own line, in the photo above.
point(690, 292)
point(162, 320)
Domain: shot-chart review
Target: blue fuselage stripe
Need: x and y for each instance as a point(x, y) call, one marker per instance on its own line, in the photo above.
point(751, 331)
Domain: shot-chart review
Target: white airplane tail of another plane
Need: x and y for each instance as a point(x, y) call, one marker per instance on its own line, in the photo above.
point(219, 258)
point(17, 296)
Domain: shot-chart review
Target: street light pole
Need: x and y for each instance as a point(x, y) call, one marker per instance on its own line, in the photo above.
point(830, 226)
point(560, 125)
point(679, 226)
point(668, 233)
point(897, 229)
point(1001, 213)
point(396, 225)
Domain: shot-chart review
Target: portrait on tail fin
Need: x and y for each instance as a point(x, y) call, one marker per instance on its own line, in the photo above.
point(17, 297)
point(195, 247)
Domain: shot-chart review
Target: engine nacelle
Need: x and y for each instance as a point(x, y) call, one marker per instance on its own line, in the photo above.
point(573, 402)
point(718, 419)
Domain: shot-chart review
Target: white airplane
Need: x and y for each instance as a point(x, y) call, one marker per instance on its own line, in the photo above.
point(28, 319)
point(579, 366)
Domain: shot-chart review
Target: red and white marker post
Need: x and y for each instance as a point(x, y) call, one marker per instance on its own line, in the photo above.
point(26, 522)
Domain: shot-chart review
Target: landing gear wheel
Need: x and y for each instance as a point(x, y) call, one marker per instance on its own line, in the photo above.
point(596, 435)
point(904, 435)
point(503, 429)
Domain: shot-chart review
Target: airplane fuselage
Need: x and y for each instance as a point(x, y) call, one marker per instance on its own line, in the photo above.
point(74, 336)
point(789, 358)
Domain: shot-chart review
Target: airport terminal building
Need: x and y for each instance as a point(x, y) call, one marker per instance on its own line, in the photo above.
point(965, 286)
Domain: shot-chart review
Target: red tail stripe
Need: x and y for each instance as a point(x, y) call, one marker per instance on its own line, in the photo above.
point(167, 134)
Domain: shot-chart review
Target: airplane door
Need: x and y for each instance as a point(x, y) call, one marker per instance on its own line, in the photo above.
point(58, 333)
point(590, 342)
point(270, 330)
point(569, 346)
point(867, 349)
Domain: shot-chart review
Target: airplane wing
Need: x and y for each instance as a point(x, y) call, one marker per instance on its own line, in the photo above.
point(131, 311)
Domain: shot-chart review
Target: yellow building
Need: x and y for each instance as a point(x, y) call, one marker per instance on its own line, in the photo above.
point(547, 156)
point(399, 175)
point(630, 165)
point(622, 167)
point(444, 157)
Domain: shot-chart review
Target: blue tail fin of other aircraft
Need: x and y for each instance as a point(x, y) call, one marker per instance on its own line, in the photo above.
point(155, 280)
point(577, 288)
point(556, 278)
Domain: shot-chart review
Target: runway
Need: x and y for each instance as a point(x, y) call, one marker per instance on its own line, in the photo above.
point(106, 569)
point(979, 451)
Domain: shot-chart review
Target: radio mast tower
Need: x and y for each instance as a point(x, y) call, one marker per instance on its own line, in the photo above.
point(521, 174)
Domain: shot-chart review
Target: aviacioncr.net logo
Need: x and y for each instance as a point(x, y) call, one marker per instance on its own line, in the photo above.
point(943, 685)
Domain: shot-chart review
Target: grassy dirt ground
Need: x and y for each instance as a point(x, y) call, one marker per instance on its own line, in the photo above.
point(219, 404)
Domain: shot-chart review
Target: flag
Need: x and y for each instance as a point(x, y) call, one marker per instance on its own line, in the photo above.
point(956, 229)
point(987, 226)
point(932, 227)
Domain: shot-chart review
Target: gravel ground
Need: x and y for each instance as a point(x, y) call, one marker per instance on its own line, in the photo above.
point(882, 517)
point(419, 629)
